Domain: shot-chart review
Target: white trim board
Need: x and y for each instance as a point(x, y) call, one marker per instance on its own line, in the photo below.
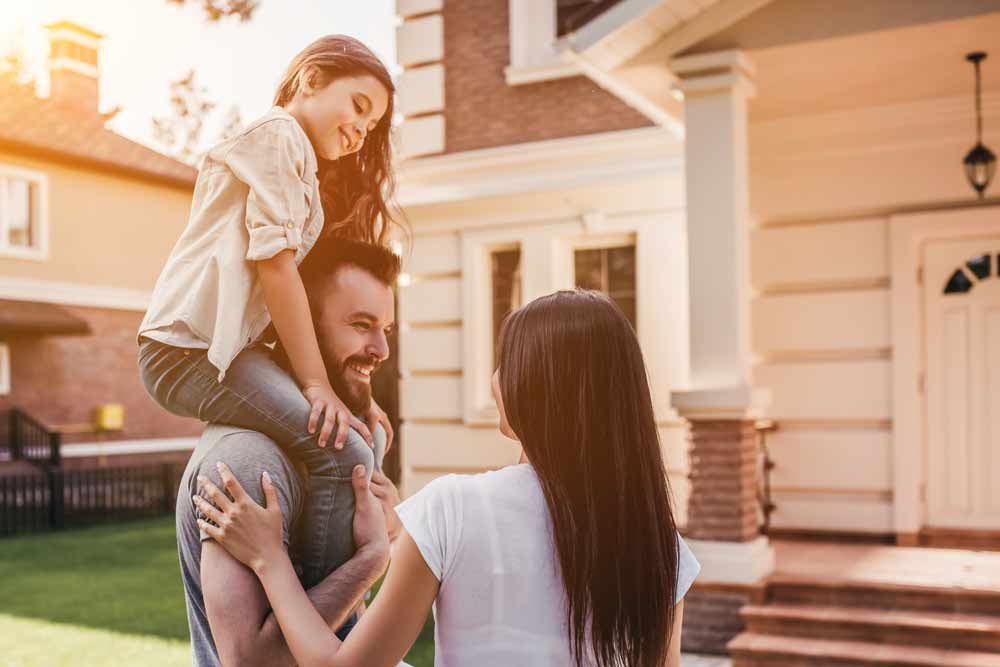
point(123, 447)
point(539, 165)
point(907, 234)
point(4, 369)
point(73, 294)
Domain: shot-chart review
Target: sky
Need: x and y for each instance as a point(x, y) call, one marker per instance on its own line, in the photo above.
point(150, 43)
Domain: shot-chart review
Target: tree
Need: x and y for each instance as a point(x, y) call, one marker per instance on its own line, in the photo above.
point(216, 10)
point(232, 123)
point(180, 134)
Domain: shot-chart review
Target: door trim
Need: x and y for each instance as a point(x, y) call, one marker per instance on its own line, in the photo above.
point(907, 235)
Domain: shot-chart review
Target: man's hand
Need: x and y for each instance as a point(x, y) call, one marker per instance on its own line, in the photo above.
point(370, 533)
point(388, 495)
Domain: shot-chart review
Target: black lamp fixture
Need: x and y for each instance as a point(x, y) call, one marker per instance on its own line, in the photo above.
point(980, 163)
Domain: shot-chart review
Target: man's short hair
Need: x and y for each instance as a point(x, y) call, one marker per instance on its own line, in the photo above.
point(329, 255)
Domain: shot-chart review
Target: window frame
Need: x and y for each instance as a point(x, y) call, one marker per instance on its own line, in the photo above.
point(39, 251)
point(534, 55)
point(610, 242)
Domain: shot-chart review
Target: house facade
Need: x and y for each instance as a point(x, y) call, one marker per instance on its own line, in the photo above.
point(87, 218)
point(774, 190)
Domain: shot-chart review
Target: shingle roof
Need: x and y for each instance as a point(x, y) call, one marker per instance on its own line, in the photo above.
point(58, 130)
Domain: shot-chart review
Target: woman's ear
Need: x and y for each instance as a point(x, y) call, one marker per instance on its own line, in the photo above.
point(309, 79)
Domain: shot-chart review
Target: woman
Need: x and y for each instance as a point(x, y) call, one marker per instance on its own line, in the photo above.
point(569, 558)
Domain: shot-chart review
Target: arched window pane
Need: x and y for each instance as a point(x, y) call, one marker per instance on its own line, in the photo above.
point(959, 283)
point(980, 266)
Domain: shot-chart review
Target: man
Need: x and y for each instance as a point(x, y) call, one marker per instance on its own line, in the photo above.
point(351, 298)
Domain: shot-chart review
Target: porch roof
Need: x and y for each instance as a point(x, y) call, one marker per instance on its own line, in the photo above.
point(32, 317)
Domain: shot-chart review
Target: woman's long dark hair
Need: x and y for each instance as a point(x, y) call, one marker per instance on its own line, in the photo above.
point(355, 189)
point(575, 392)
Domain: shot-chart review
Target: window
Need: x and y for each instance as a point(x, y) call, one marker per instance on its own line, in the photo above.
point(534, 56)
point(4, 370)
point(980, 268)
point(505, 279)
point(22, 213)
point(609, 270)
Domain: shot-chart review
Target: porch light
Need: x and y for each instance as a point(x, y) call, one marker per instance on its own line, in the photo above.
point(980, 163)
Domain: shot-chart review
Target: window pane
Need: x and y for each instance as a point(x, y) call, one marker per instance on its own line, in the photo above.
point(980, 266)
point(17, 210)
point(958, 283)
point(609, 270)
point(506, 282)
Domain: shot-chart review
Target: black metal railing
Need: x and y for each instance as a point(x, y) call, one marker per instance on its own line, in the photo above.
point(29, 440)
point(765, 464)
point(56, 498)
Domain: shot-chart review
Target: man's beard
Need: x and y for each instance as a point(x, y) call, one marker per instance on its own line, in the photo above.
point(357, 396)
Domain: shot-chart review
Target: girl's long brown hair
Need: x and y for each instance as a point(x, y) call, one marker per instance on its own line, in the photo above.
point(357, 189)
point(575, 392)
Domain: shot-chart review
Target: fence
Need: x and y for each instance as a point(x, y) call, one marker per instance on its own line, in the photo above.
point(55, 498)
point(26, 438)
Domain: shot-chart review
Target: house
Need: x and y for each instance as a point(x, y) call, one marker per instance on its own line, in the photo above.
point(774, 189)
point(86, 222)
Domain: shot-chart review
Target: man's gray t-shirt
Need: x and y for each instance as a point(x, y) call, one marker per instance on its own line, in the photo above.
point(248, 454)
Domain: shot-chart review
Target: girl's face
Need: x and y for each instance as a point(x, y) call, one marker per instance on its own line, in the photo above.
point(338, 116)
point(504, 424)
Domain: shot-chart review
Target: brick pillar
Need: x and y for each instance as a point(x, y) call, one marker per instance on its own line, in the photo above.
point(723, 502)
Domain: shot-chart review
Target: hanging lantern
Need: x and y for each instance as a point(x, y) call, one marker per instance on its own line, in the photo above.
point(980, 163)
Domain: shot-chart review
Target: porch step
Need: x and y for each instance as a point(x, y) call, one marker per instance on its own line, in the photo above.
point(904, 627)
point(786, 589)
point(756, 650)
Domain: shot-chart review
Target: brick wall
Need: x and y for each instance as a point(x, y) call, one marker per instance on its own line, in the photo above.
point(60, 379)
point(482, 111)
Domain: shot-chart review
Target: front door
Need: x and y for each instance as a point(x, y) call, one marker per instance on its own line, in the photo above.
point(962, 320)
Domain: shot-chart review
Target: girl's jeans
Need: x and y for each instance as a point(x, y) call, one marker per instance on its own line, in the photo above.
point(259, 395)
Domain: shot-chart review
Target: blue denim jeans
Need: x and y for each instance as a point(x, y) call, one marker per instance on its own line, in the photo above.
point(259, 395)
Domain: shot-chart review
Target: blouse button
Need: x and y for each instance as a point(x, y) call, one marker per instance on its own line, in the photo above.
point(289, 225)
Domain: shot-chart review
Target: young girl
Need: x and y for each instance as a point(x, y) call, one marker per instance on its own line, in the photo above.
point(315, 168)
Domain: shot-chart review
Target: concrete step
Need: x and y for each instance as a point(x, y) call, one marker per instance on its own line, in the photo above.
point(756, 650)
point(787, 589)
point(906, 627)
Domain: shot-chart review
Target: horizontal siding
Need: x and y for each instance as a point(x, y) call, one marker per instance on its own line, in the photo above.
point(440, 253)
point(831, 321)
point(435, 349)
point(444, 446)
point(430, 397)
point(843, 459)
point(431, 301)
point(826, 253)
point(827, 390)
point(846, 513)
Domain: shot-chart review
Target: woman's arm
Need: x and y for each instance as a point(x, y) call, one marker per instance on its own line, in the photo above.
point(286, 300)
point(674, 651)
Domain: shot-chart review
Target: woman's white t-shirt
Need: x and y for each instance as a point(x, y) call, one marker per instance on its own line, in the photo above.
point(487, 540)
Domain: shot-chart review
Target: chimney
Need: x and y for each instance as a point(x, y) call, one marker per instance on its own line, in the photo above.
point(73, 70)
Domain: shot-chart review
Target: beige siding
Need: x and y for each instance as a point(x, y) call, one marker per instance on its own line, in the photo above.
point(850, 390)
point(440, 253)
point(436, 300)
point(431, 349)
point(827, 321)
point(431, 397)
point(833, 512)
point(92, 218)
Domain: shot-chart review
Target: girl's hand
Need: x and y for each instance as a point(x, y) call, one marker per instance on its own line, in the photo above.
point(335, 414)
point(387, 494)
point(376, 416)
point(249, 532)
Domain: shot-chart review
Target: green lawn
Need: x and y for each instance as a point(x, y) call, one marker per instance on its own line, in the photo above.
point(109, 595)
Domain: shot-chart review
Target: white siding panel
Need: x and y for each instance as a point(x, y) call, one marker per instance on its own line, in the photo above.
point(430, 398)
point(832, 512)
point(431, 301)
point(834, 459)
point(825, 321)
point(435, 349)
point(447, 446)
point(440, 253)
point(830, 390)
point(820, 253)
point(421, 90)
point(422, 136)
point(406, 8)
point(420, 41)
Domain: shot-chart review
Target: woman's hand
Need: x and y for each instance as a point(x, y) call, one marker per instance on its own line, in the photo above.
point(335, 414)
point(249, 532)
point(376, 415)
point(387, 494)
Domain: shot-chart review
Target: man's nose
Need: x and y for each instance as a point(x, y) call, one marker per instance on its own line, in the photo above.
point(378, 346)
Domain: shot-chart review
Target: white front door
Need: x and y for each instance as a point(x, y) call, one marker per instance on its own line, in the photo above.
point(962, 319)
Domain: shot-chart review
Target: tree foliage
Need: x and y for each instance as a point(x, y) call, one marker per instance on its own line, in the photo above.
point(216, 10)
point(180, 133)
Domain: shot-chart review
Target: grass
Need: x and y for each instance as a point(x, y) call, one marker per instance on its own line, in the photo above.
point(109, 595)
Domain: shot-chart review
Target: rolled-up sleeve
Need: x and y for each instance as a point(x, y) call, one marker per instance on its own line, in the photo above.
point(270, 160)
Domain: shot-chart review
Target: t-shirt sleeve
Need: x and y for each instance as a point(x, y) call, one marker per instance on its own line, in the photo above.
point(688, 568)
point(433, 519)
point(270, 159)
point(248, 455)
